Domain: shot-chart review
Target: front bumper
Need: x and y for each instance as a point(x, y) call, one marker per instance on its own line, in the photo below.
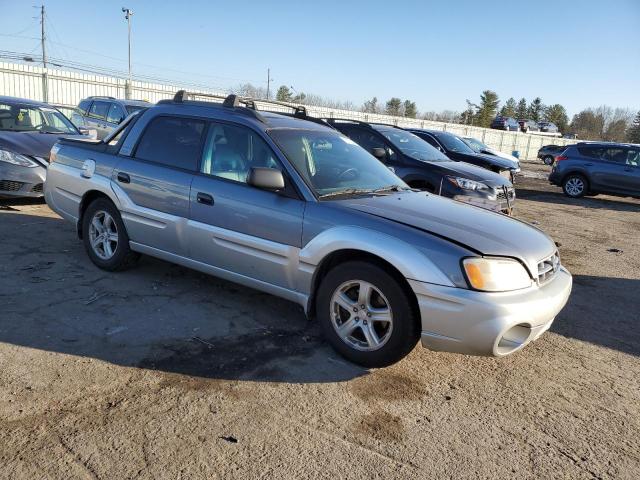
point(18, 181)
point(491, 324)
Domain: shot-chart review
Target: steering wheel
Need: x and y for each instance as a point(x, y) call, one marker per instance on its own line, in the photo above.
point(349, 174)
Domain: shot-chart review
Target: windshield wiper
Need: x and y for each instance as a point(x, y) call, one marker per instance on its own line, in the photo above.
point(348, 191)
point(389, 188)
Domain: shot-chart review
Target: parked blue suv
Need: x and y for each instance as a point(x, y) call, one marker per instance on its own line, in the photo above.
point(592, 168)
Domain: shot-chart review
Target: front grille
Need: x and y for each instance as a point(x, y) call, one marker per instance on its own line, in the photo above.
point(548, 267)
point(502, 195)
point(37, 188)
point(10, 185)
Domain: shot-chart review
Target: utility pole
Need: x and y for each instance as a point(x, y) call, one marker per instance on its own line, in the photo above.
point(128, 13)
point(268, 81)
point(42, 37)
point(45, 77)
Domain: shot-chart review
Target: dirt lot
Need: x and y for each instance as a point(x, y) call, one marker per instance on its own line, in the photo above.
point(161, 372)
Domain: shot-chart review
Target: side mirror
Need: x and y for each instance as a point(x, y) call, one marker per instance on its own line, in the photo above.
point(89, 132)
point(266, 178)
point(379, 152)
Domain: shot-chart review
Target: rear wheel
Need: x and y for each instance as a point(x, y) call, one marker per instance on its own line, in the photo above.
point(105, 237)
point(548, 160)
point(575, 186)
point(366, 314)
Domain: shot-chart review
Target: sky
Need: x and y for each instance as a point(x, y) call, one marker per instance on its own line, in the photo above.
point(576, 53)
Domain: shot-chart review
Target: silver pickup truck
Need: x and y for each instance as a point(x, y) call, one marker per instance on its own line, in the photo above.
point(289, 206)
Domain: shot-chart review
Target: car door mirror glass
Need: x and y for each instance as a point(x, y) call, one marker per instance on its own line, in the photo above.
point(266, 178)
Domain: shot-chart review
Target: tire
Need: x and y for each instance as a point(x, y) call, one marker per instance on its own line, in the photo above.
point(548, 160)
point(339, 303)
point(112, 253)
point(575, 185)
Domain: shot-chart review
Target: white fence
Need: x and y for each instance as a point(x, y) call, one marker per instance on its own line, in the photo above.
point(68, 88)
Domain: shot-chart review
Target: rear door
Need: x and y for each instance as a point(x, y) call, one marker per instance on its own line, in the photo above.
point(154, 183)
point(615, 175)
point(235, 226)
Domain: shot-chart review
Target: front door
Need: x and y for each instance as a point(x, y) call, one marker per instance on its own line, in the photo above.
point(235, 226)
point(154, 184)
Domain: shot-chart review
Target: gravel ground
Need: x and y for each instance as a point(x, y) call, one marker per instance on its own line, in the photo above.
point(161, 372)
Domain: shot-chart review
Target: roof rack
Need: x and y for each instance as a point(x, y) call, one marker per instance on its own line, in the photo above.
point(361, 122)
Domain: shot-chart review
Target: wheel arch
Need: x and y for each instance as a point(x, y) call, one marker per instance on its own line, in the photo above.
point(339, 244)
point(88, 197)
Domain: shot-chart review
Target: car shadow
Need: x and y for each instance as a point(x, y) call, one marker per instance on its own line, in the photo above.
point(606, 202)
point(603, 311)
point(156, 315)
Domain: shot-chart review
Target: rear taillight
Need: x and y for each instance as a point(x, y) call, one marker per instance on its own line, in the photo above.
point(559, 158)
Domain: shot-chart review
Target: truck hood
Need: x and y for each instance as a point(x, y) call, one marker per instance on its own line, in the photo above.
point(477, 229)
point(33, 144)
point(472, 172)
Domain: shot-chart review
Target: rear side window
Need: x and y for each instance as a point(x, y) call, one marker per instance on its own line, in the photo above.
point(84, 106)
point(591, 152)
point(99, 110)
point(616, 155)
point(172, 141)
point(633, 158)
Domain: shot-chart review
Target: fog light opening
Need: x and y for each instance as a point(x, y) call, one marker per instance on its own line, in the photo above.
point(513, 339)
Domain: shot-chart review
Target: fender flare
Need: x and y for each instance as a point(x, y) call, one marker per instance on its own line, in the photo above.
point(407, 259)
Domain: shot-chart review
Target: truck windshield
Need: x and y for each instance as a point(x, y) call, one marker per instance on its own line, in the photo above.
point(34, 118)
point(334, 165)
point(413, 146)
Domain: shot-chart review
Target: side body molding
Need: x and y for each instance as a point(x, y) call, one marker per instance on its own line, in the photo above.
point(412, 263)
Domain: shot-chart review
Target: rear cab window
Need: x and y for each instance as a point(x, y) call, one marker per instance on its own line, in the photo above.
point(172, 141)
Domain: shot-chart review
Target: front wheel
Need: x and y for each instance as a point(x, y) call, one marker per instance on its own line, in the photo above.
point(548, 160)
point(366, 314)
point(574, 186)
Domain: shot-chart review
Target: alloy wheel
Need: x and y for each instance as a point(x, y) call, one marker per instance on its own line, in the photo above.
point(361, 315)
point(574, 186)
point(103, 235)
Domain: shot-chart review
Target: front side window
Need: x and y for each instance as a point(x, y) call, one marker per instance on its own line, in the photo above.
point(116, 114)
point(230, 151)
point(172, 141)
point(333, 164)
point(30, 118)
point(453, 143)
point(633, 157)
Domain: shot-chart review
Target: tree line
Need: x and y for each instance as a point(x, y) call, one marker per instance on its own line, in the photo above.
point(593, 123)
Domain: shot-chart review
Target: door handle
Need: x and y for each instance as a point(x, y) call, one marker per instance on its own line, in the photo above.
point(123, 177)
point(204, 198)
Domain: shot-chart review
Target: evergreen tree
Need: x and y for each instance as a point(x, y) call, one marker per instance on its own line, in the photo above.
point(557, 114)
point(535, 110)
point(488, 108)
point(394, 106)
point(633, 133)
point(509, 108)
point(283, 94)
point(410, 109)
point(521, 110)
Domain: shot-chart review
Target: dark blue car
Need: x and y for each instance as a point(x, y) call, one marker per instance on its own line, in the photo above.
point(592, 168)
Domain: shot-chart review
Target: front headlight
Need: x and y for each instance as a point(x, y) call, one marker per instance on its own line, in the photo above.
point(496, 274)
point(16, 159)
point(467, 184)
